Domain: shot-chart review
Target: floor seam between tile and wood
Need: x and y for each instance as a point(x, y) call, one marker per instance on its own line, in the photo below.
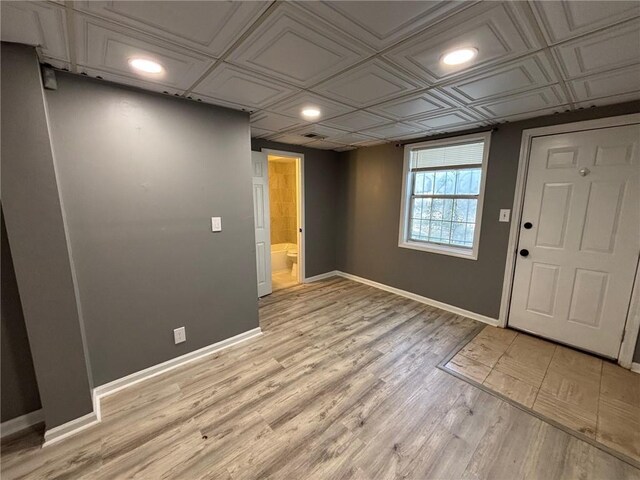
point(570, 367)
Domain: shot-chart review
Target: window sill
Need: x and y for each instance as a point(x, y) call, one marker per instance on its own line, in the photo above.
point(441, 249)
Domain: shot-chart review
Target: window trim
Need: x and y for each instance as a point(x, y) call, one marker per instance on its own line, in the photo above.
point(403, 241)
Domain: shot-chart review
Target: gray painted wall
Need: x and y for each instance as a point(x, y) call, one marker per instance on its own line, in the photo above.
point(140, 176)
point(321, 171)
point(371, 186)
point(38, 240)
point(17, 377)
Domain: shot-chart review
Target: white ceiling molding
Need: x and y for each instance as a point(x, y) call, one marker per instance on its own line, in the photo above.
point(392, 131)
point(446, 121)
point(294, 105)
point(616, 82)
point(563, 20)
point(107, 48)
point(273, 121)
point(368, 84)
point(372, 68)
point(527, 73)
point(531, 101)
point(36, 23)
point(207, 27)
point(358, 120)
point(414, 105)
point(381, 24)
point(235, 85)
point(499, 31)
point(600, 52)
point(293, 46)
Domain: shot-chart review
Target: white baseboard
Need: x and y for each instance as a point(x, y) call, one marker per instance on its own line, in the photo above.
point(74, 426)
point(322, 276)
point(56, 434)
point(20, 423)
point(142, 375)
point(421, 299)
point(635, 367)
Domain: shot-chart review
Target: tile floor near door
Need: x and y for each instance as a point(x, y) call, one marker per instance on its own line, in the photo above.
point(580, 391)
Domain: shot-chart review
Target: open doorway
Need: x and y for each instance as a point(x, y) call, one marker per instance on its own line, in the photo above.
point(285, 215)
point(278, 202)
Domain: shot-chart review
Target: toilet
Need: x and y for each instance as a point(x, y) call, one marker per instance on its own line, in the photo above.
point(292, 254)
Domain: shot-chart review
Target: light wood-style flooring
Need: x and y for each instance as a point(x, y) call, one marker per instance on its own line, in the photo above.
point(595, 397)
point(342, 385)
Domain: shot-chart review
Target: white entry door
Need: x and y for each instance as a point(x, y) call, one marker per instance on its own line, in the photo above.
point(579, 238)
point(262, 221)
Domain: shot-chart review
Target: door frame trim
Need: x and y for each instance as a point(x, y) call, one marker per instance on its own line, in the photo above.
point(301, 205)
point(632, 325)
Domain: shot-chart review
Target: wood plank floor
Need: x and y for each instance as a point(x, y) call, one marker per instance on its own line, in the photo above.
point(342, 385)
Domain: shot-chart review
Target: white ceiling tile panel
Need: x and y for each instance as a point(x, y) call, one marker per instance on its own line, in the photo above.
point(391, 131)
point(371, 82)
point(373, 68)
point(107, 48)
point(563, 20)
point(601, 51)
point(352, 139)
point(260, 132)
point(221, 103)
point(358, 120)
point(346, 148)
point(324, 145)
point(209, 27)
point(546, 97)
point(36, 23)
point(273, 121)
point(499, 30)
point(292, 139)
point(597, 102)
point(381, 24)
point(616, 82)
point(414, 105)
point(296, 47)
point(241, 87)
point(293, 106)
point(445, 121)
point(524, 74)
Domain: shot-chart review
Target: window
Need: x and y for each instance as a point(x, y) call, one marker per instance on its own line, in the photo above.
point(443, 188)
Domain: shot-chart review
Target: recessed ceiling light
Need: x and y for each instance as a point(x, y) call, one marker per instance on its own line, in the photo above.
point(457, 57)
point(310, 112)
point(145, 65)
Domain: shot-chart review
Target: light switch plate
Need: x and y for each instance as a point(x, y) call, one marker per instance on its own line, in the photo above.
point(179, 335)
point(216, 224)
point(505, 214)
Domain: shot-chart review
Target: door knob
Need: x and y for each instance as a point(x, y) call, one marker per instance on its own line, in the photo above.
point(528, 225)
point(524, 252)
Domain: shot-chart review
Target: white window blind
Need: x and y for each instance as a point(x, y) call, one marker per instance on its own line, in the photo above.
point(443, 186)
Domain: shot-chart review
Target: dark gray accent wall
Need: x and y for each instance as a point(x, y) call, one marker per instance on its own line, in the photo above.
point(17, 377)
point(141, 175)
point(367, 245)
point(36, 232)
point(321, 171)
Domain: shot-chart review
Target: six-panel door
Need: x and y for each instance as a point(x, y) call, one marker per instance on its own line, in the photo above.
point(582, 200)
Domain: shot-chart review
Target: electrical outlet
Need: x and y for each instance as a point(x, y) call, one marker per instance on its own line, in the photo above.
point(504, 215)
point(179, 335)
point(216, 224)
